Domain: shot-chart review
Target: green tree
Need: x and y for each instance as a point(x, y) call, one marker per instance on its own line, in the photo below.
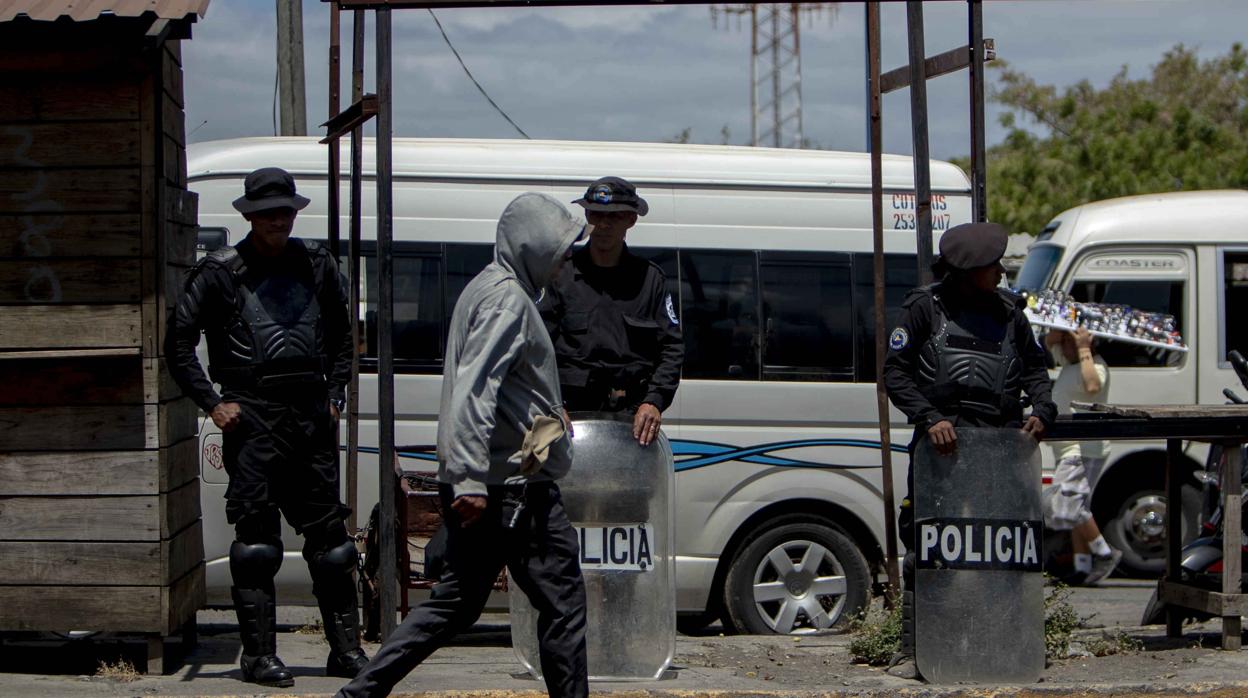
point(1183, 127)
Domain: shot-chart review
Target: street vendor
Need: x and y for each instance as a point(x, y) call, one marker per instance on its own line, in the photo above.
point(962, 355)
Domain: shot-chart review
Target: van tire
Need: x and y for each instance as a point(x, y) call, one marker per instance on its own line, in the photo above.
point(760, 601)
point(1122, 528)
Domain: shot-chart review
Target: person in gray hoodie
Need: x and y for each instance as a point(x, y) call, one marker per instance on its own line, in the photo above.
point(503, 440)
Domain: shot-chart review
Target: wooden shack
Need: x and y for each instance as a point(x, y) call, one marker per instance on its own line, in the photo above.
point(99, 495)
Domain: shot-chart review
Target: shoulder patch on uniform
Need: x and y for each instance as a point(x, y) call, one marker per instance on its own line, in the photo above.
point(671, 309)
point(899, 339)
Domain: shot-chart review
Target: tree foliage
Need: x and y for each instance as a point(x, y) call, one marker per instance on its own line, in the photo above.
point(1183, 127)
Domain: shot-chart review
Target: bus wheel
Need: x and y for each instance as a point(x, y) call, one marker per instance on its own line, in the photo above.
point(1136, 525)
point(794, 578)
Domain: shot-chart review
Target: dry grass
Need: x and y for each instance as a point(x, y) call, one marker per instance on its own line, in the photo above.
point(121, 671)
point(310, 629)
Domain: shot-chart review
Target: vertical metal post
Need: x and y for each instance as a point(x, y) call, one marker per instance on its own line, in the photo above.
point(979, 165)
point(881, 329)
point(353, 273)
point(335, 105)
point(385, 325)
point(775, 74)
point(1174, 530)
point(918, 127)
point(1232, 564)
point(754, 75)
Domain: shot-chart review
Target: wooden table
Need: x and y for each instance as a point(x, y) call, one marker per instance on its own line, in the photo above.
point(1222, 424)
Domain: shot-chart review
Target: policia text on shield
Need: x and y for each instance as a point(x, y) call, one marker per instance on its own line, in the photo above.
point(962, 355)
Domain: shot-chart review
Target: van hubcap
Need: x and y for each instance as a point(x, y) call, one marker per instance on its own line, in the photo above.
point(799, 587)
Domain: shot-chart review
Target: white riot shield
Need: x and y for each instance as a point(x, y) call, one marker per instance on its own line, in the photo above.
point(620, 498)
point(979, 586)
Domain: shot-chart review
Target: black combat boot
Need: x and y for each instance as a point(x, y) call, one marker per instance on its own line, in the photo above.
point(257, 627)
point(902, 664)
point(342, 631)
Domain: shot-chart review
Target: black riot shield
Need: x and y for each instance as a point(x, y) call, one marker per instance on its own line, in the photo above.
point(979, 589)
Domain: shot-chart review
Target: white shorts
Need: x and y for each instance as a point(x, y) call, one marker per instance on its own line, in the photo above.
point(1066, 500)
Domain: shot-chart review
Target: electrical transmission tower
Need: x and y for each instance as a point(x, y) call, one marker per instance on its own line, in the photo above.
point(775, 67)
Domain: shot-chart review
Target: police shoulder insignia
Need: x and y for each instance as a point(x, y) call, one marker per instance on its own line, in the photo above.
point(898, 339)
point(671, 310)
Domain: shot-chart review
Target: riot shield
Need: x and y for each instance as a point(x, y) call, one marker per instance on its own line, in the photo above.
point(619, 496)
point(979, 589)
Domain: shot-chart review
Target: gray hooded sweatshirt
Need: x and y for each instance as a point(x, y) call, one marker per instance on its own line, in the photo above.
point(500, 372)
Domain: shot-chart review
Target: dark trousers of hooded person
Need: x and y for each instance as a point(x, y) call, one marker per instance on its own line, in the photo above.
point(540, 550)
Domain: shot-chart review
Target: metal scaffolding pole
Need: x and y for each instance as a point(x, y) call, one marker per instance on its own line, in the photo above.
point(335, 157)
point(918, 128)
point(385, 323)
point(881, 329)
point(979, 164)
point(353, 273)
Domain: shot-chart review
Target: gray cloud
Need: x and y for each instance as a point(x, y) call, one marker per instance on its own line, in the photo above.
point(646, 73)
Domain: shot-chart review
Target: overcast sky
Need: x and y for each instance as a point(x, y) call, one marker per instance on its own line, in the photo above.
point(647, 73)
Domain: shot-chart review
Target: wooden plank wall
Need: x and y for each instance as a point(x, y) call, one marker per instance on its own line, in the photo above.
point(99, 489)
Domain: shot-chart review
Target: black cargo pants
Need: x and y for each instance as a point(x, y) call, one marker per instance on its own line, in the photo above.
point(542, 556)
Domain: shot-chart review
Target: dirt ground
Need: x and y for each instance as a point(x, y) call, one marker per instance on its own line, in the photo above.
point(481, 663)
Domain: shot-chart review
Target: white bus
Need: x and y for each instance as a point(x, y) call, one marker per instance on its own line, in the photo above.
point(1182, 253)
point(768, 252)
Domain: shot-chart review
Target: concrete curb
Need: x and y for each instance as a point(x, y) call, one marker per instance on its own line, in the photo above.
point(1204, 690)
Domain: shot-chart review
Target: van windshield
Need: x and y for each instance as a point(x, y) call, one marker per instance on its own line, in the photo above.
point(1038, 268)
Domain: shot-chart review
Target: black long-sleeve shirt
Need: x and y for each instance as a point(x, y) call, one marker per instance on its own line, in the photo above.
point(209, 304)
point(616, 326)
point(914, 328)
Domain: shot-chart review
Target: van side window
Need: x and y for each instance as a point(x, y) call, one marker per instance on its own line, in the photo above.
point(808, 333)
point(900, 277)
point(720, 311)
point(1152, 296)
point(1235, 302)
point(417, 307)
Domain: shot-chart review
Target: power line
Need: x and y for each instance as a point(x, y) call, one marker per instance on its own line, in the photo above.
point(474, 80)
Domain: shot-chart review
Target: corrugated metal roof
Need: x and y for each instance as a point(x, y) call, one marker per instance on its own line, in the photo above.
point(85, 10)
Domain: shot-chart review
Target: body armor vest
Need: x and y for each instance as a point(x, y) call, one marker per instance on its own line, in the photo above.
point(961, 372)
point(273, 334)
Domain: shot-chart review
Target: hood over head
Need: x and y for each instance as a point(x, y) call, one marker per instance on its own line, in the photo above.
point(534, 232)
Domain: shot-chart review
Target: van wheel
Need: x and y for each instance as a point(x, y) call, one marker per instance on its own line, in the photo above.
point(795, 578)
point(1137, 527)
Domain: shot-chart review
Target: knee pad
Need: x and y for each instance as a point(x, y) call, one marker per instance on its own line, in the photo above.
point(253, 565)
point(339, 559)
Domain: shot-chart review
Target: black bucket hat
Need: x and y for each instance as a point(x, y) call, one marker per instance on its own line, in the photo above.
point(268, 188)
point(971, 245)
point(613, 194)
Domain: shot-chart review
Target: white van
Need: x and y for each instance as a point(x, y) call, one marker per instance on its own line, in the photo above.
point(774, 426)
point(1182, 253)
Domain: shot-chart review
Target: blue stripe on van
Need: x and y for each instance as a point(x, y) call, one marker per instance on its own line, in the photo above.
point(700, 454)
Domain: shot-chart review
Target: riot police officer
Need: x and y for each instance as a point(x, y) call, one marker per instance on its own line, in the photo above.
point(962, 354)
point(614, 325)
point(279, 345)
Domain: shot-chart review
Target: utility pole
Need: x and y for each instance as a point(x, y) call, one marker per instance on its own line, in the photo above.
point(291, 96)
point(775, 68)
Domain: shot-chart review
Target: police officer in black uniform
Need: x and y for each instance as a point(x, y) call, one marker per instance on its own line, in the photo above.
point(279, 344)
point(613, 323)
point(961, 355)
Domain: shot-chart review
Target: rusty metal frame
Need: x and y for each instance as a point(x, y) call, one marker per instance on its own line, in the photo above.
point(352, 123)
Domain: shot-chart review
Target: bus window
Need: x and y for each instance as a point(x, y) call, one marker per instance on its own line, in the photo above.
point(1234, 302)
point(417, 310)
point(808, 332)
point(720, 312)
point(1156, 296)
point(900, 277)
